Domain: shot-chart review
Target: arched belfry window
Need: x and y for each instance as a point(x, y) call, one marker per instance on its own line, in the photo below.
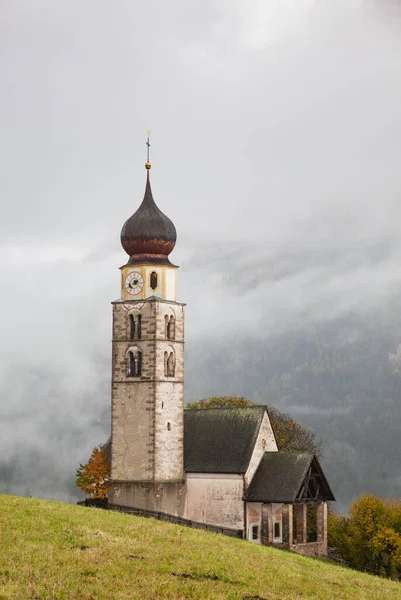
point(169, 364)
point(134, 363)
point(153, 280)
point(131, 327)
point(170, 327)
point(131, 364)
point(135, 326)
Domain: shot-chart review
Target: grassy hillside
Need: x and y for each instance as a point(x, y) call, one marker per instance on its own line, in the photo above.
point(55, 550)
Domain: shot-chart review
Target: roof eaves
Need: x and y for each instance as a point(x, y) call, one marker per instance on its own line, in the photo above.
point(256, 407)
point(214, 472)
point(267, 406)
point(323, 476)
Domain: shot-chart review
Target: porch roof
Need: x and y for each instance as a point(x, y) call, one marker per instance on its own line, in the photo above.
point(289, 477)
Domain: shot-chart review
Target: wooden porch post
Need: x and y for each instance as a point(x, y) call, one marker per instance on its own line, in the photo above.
point(287, 525)
point(300, 512)
point(267, 524)
point(322, 525)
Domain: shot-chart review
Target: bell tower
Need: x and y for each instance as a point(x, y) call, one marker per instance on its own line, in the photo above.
point(147, 366)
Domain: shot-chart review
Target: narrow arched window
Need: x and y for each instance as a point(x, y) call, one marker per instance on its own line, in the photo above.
point(165, 364)
point(135, 363)
point(171, 365)
point(166, 322)
point(139, 328)
point(131, 327)
point(131, 364)
point(153, 280)
point(139, 364)
point(171, 328)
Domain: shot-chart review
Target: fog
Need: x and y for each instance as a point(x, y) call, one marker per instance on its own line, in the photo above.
point(276, 136)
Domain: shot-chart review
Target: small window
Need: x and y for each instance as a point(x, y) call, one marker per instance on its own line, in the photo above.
point(131, 327)
point(170, 327)
point(135, 364)
point(153, 280)
point(135, 327)
point(255, 532)
point(277, 532)
point(131, 365)
point(168, 426)
point(171, 365)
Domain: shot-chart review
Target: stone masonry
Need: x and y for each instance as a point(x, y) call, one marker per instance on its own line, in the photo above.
point(147, 411)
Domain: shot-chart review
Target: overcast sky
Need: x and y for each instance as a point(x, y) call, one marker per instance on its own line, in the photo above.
point(276, 146)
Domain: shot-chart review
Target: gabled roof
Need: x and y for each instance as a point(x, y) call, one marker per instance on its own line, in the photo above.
point(289, 477)
point(220, 440)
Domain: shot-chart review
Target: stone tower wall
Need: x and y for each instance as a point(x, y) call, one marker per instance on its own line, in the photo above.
point(147, 412)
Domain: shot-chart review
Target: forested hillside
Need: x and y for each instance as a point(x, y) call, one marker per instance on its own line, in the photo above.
point(341, 379)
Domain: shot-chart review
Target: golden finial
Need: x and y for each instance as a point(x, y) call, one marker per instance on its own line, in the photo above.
point(147, 164)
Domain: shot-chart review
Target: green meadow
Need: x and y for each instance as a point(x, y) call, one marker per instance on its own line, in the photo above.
point(60, 551)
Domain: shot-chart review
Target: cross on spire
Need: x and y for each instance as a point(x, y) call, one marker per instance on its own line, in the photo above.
point(147, 164)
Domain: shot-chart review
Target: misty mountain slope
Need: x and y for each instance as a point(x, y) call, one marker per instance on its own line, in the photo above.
point(47, 428)
point(340, 379)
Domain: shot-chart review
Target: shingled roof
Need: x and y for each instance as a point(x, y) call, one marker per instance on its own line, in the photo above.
point(220, 440)
point(289, 477)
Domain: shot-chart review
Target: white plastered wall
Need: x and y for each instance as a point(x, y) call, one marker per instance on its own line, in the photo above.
point(215, 499)
point(265, 442)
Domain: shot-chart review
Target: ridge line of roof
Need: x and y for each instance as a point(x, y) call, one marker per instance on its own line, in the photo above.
point(263, 406)
point(299, 452)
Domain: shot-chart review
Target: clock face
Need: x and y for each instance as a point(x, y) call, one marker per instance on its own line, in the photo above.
point(134, 283)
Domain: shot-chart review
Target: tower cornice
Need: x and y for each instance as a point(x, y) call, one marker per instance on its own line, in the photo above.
point(148, 300)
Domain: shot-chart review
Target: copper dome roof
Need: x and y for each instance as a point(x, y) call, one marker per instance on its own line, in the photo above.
point(148, 236)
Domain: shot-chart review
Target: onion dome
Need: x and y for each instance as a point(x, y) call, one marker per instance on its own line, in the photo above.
point(148, 236)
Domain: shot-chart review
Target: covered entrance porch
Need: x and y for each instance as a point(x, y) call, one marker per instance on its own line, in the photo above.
point(286, 503)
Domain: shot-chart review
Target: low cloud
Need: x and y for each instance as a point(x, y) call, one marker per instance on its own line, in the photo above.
point(275, 152)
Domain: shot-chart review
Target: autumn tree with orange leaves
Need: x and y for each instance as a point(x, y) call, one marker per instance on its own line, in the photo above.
point(93, 478)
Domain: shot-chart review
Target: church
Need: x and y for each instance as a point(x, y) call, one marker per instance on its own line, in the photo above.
point(218, 467)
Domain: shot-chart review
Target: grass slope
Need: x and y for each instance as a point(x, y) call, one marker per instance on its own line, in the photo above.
point(55, 550)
